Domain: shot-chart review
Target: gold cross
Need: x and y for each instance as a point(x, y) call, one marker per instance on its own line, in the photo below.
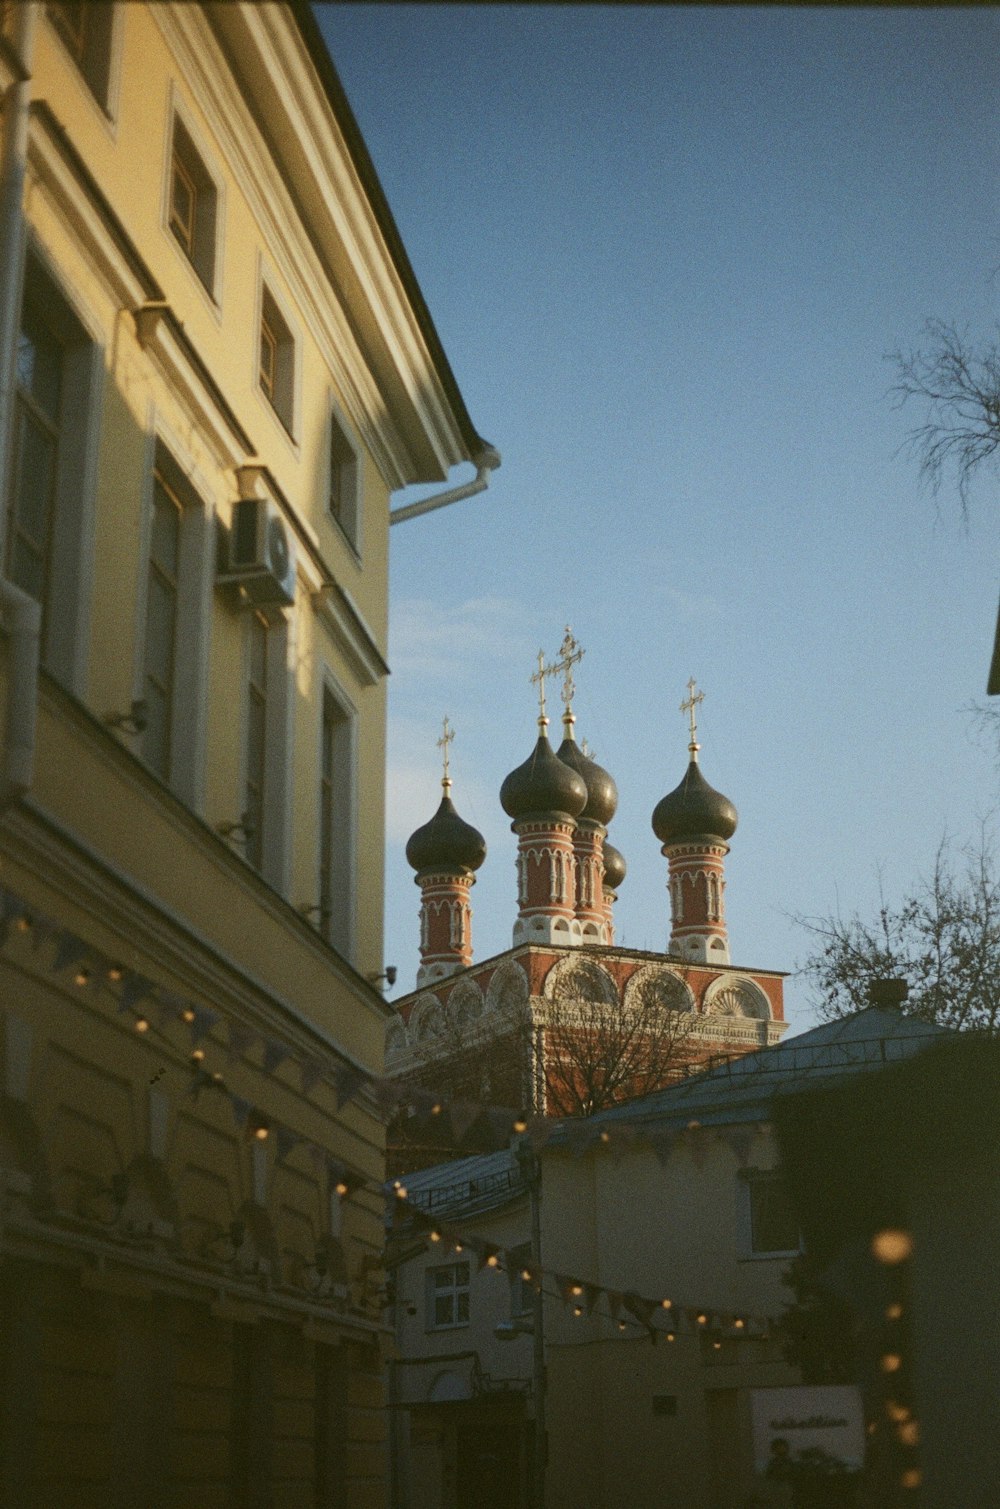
point(688, 706)
point(570, 654)
point(447, 736)
point(538, 679)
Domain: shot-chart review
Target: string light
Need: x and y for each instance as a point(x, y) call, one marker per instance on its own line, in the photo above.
point(492, 1261)
point(435, 1236)
point(576, 1289)
point(197, 1055)
point(908, 1432)
point(621, 1325)
point(893, 1312)
point(261, 1131)
point(911, 1478)
point(577, 1310)
point(702, 1318)
point(892, 1246)
point(141, 1024)
point(891, 1362)
point(717, 1346)
point(187, 1015)
point(666, 1304)
point(81, 977)
point(739, 1323)
point(115, 973)
point(520, 1124)
point(340, 1188)
point(23, 924)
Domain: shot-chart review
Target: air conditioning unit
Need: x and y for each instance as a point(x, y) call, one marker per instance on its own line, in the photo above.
point(261, 554)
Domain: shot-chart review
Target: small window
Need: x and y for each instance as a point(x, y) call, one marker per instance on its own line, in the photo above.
point(193, 204)
point(343, 495)
point(773, 1227)
point(276, 367)
point(448, 1297)
point(47, 506)
point(85, 30)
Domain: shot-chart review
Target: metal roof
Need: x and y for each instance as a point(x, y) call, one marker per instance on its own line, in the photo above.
point(481, 1182)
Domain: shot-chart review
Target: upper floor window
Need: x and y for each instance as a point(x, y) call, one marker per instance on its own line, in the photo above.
point(336, 803)
point(769, 1224)
point(192, 210)
point(276, 360)
point(344, 488)
point(47, 507)
point(85, 29)
point(162, 618)
point(448, 1297)
point(256, 740)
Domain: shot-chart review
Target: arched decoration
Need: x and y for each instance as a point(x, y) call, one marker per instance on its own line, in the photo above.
point(737, 996)
point(580, 979)
point(508, 989)
point(396, 1041)
point(465, 1003)
point(660, 987)
point(426, 1018)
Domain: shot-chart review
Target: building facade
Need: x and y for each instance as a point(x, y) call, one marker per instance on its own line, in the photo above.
point(217, 367)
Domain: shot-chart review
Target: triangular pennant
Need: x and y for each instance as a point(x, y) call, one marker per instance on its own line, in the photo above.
point(204, 1020)
point(311, 1072)
point(591, 1294)
point(69, 950)
point(641, 1308)
point(275, 1053)
point(501, 1125)
point(241, 1040)
point(348, 1082)
point(286, 1140)
point(615, 1300)
point(134, 989)
point(662, 1143)
point(317, 1156)
point(241, 1110)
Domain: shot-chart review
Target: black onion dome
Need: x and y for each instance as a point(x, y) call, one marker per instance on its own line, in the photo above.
point(614, 867)
point(543, 784)
point(694, 809)
point(602, 793)
point(446, 843)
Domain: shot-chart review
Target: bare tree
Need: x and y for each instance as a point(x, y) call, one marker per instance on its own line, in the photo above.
point(957, 385)
point(595, 1053)
point(943, 939)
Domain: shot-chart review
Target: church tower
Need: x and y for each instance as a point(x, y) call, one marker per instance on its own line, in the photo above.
point(545, 797)
point(693, 823)
point(445, 853)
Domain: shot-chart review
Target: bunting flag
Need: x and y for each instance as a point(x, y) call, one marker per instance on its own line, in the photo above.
point(70, 950)
point(241, 1040)
point(134, 989)
point(241, 1110)
point(286, 1140)
point(348, 1081)
point(275, 1054)
point(310, 1073)
point(204, 1021)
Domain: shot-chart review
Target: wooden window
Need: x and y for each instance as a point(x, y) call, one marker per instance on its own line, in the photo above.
point(276, 361)
point(85, 30)
point(36, 451)
point(193, 204)
point(448, 1297)
point(162, 618)
point(343, 493)
point(256, 741)
point(336, 798)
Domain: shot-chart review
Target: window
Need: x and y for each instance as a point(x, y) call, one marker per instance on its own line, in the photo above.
point(343, 495)
point(522, 1294)
point(57, 369)
point(336, 801)
point(770, 1227)
point(162, 591)
point(276, 365)
point(448, 1297)
point(193, 204)
point(85, 30)
point(256, 745)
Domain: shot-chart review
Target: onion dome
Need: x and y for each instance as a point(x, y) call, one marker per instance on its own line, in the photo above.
point(446, 843)
point(543, 785)
point(694, 809)
point(614, 867)
point(602, 793)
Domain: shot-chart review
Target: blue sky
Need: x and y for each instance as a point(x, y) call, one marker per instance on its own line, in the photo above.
point(666, 250)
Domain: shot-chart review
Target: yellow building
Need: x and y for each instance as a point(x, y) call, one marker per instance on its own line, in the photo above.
point(215, 368)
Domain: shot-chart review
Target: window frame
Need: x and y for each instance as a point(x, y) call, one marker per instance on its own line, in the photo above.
point(270, 858)
point(336, 827)
point(456, 1290)
point(280, 390)
point(749, 1181)
point(69, 569)
point(202, 250)
point(99, 71)
point(344, 462)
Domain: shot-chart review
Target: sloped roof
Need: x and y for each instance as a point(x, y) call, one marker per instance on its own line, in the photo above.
point(742, 1089)
point(481, 1182)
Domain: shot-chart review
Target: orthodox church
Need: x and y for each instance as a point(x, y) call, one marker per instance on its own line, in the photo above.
point(566, 1022)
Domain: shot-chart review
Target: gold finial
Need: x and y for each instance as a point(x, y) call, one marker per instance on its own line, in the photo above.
point(688, 706)
point(447, 735)
point(538, 679)
point(570, 654)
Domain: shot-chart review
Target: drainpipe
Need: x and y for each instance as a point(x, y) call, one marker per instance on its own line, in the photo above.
point(22, 616)
point(487, 461)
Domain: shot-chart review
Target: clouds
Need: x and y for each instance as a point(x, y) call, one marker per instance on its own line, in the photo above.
point(436, 642)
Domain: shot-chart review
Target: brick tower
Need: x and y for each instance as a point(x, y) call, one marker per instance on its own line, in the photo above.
point(693, 823)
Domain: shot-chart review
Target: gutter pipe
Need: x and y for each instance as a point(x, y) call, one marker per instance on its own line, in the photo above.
point(486, 462)
point(22, 615)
